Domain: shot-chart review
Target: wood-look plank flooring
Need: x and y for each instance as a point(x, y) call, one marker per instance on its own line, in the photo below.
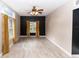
point(35, 48)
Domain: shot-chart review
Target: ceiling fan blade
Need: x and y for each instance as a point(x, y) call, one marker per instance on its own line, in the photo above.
point(40, 9)
point(40, 12)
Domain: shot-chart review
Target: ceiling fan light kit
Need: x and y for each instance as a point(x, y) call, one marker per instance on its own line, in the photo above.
point(36, 11)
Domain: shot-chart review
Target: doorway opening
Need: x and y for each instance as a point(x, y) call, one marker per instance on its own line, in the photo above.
point(32, 28)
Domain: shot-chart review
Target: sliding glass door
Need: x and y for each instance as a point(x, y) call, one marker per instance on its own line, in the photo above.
point(10, 28)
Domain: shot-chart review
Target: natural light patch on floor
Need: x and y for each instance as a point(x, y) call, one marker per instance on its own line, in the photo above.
point(34, 48)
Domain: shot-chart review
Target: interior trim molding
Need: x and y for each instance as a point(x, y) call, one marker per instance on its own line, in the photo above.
point(60, 48)
point(32, 36)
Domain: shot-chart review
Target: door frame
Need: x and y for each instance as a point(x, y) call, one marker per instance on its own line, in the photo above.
point(14, 31)
point(37, 29)
point(28, 28)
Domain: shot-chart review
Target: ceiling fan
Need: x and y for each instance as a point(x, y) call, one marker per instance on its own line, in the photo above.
point(35, 11)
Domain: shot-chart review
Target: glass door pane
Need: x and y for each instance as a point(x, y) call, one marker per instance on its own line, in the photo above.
point(10, 27)
point(32, 27)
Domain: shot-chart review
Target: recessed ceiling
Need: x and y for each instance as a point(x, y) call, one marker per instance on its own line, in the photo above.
point(22, 7)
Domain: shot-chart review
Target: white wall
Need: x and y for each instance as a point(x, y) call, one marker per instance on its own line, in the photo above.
point(17, 26)
point(76, 4)
point(59, 26)
point(0, 34)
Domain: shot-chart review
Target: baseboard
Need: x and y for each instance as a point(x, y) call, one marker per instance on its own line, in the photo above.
point(11, 43)
point(66, 52)
point(31, 36)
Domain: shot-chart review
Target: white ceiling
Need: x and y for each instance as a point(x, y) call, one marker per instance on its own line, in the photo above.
point(20, 6)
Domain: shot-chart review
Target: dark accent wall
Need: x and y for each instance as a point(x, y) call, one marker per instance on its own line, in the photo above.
point(75, 37)
point(23, 27)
